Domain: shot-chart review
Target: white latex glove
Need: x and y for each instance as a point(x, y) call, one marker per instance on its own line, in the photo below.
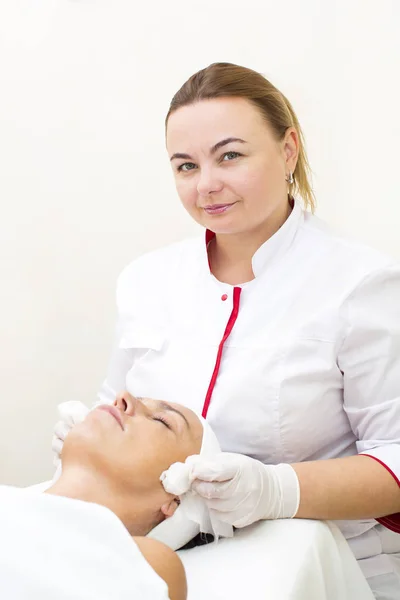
point(241, 490)
point(71, 413)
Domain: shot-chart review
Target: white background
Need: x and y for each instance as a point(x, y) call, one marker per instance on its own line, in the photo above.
point(85, 182)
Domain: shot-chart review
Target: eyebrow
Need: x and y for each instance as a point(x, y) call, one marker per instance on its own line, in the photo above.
point(167, 406)
point(213, 149)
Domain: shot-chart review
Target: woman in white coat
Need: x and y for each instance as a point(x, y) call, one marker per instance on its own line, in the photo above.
point(285, 335)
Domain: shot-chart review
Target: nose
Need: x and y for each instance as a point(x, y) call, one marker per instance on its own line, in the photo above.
point(127, 403)
point(208, 182)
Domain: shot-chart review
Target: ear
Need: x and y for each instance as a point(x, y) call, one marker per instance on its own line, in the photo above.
point(170, 507)
point(291, 148)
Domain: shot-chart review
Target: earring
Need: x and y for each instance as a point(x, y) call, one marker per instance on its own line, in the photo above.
point(290, 178)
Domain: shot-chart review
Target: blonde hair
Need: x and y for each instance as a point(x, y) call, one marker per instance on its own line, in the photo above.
point(226, 79)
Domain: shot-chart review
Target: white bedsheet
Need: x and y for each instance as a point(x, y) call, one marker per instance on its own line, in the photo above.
point(277, 560)
point(274, 560)
point(54, 548)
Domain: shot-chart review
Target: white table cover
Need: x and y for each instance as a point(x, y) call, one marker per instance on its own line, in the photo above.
point(292, 559)
point(277, 560)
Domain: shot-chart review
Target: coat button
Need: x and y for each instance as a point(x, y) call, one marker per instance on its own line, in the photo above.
point(224, 297)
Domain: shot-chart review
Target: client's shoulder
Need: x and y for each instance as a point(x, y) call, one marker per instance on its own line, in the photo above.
point(166, 563)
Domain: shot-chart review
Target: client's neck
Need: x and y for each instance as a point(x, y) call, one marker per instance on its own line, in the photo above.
point(80, 484)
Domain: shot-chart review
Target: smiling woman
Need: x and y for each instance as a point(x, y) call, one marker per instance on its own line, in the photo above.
point(240, 177)
point(284, 334)
point(235, 185)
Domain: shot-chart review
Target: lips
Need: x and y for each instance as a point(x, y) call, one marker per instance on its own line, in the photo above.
point(114, 412)
point(217, 208)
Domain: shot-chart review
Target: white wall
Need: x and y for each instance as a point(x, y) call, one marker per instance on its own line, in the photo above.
point(85, 184)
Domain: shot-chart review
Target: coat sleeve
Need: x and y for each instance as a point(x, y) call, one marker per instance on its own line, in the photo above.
point(119, 364)
point(370, 362)
point(121, 358)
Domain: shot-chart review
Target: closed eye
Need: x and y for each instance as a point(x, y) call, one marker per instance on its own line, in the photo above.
point(162, 420)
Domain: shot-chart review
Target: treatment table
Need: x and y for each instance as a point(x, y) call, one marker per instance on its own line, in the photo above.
point(291, 559)
point(277, 560)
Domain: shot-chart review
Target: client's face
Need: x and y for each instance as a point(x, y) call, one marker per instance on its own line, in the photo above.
point(132, 442)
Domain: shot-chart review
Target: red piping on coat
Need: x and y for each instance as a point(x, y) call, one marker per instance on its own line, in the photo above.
point(232, 320)
point(392, 522)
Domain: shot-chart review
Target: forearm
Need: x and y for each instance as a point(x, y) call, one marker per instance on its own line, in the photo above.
point(355, 487)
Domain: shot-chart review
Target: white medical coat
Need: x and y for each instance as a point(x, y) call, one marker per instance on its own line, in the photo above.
point(311, 368)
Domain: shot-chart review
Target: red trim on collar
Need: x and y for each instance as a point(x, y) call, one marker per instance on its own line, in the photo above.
point(391, 522)
point(231, 322)
point(209, 236)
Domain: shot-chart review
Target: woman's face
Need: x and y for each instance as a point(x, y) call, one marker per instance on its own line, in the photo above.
point(223, 154)
point(132, 442)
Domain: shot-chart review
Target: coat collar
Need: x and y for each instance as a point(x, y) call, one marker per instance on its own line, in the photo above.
point(271, 250)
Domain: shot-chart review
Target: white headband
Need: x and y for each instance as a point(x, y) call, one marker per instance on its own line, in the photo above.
point(192, 515)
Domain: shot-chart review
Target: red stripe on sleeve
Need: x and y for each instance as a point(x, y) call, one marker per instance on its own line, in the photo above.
point(391, 522)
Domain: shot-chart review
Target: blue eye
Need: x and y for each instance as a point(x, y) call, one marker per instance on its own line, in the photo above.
point(232, 154)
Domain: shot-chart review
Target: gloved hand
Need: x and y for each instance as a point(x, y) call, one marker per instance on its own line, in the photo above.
point(241, 490)
point(71, 413)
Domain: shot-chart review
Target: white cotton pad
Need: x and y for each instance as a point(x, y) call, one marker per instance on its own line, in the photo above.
point(192, 515)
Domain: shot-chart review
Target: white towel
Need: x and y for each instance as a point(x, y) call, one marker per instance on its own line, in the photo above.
point(58, 548)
